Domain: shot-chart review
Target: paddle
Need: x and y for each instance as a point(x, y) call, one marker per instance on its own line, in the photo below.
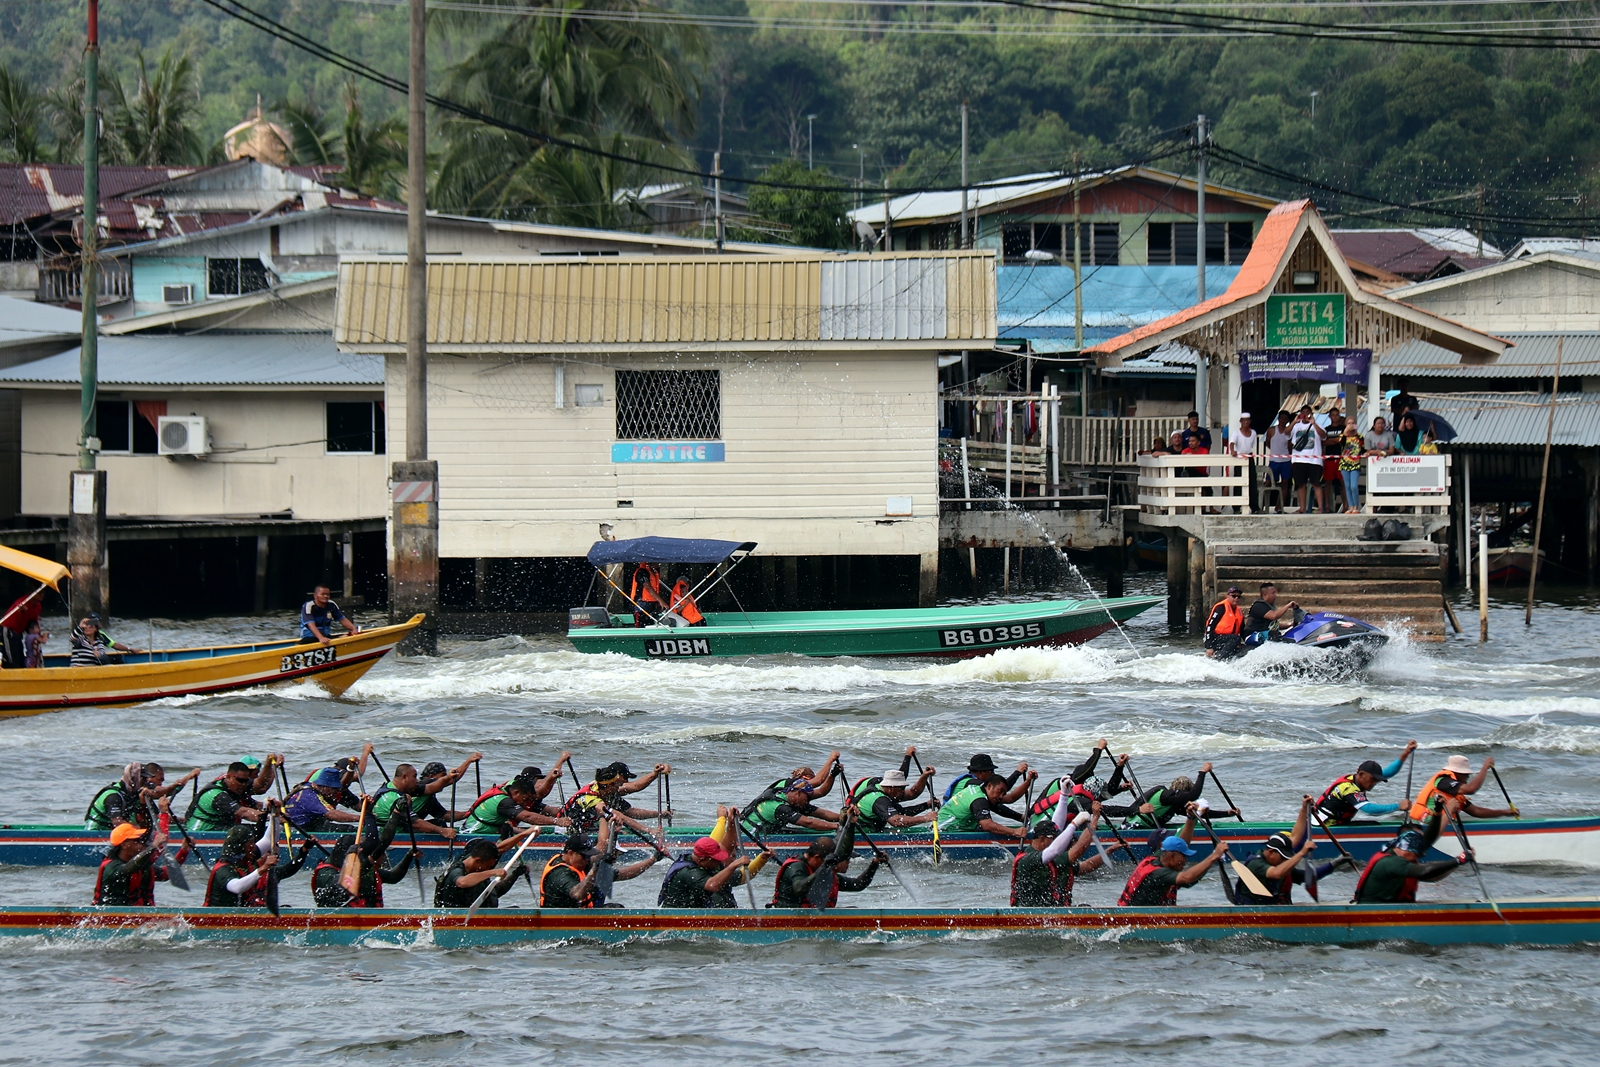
point(350, 872)
point(411, 831)
point(1027, 818)
point(489, 885)
point(661, 812)
point(738, 845)
point(452, 840)
point(1496, 772)
point(668, 777)
point(884, 856)
point(933, 804)
point(1411, 765)
point(1466, 846)
point(1247, 877)
point(1118, 835)
point(1221, 789)
point(822, 887)
point(1222, 872)
point(1344, 852)
point(189, 841)
point(174, 871)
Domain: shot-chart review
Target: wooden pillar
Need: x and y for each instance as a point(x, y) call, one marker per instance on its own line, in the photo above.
point(87, 555)
point(480, 582)
point(349, 565)
point(791, 583)
point(928, 580)
point(1197, 586)
point(1111, 559)
point(1592, 514)
point(1177, 579)
point(261, 572)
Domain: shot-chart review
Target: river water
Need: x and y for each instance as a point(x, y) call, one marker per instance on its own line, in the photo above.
point(1275, 726)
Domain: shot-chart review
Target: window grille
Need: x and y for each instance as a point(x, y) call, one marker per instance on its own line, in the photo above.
point(669, 405)
point(235, 277)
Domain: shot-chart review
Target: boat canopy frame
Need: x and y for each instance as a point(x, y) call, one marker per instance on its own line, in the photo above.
point(724, 556)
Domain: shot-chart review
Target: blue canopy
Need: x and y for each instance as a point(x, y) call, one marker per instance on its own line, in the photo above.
point(665, 550)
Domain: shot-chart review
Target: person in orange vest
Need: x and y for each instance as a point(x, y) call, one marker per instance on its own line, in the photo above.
point(1225, 627)
point(1455, 781)
point(646, 594)
point(683, 605)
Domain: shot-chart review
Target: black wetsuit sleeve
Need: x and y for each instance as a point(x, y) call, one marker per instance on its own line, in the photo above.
point(914, 809)
point(1132, 808)
point(391, 875)
point(1115, 783)
point(290, 867)
point(1176, 800)
point(1011, 779)
point(1082, 772)
point(905, 766)
point(1432, 872)
point(1430, 830)
point(1001, 809)
point(846, 843)
point(856, 883)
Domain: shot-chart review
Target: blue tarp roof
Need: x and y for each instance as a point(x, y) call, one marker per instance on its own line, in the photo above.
point(306, 358)
point(1037, 302)
point(664, 550)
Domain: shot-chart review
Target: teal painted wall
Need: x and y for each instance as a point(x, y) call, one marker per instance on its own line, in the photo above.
point(150, 273)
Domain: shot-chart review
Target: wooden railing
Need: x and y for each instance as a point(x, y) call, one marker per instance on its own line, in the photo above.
point(1095, 441)
point(1177, 485)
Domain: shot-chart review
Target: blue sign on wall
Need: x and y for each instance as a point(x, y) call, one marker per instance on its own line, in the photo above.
point(1311, 364)
point(667, 452)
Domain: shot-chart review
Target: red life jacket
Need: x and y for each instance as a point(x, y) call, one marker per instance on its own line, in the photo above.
point(1147, 866)
point(141, 885)
point(250, 898)
point(833, 895)
point(1337, 809)
point(1060, 887)
point(1046, 805)
point(355, 901)
point(1408, 888)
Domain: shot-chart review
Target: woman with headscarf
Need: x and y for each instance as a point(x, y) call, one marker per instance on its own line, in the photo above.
point(119, 802)
point(1408, 439)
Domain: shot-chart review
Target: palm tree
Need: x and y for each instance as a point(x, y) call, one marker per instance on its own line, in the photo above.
point(374, 153)
point(314, 136)
point(618, 85)
point(156, 123)
point(23, 120)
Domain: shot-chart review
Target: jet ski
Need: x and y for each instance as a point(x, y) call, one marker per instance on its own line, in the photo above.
point(1325, 630)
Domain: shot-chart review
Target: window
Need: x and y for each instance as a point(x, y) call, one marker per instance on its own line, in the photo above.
point(669, 405)
point(235, 277)
point(1173, 243)
point(123, 428)
point(356, 426)
point(1015, 240)
point(1240, 239)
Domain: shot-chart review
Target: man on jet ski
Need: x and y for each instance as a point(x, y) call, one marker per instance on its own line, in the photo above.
point(1264, 612)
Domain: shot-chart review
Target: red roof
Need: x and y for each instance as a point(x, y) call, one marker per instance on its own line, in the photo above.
point(34, 190)
point(1406, 252)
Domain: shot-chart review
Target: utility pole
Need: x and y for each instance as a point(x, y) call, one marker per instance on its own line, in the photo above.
point(1201, 371)
point(963, 241)
point(1314, 94)
point(415, 497)
point(811, 142)
point(888, 223)
point(716, 187)
point(1077, 256)
point(86, 513)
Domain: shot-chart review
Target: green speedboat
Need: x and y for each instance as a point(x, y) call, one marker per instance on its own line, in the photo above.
point(673, 629)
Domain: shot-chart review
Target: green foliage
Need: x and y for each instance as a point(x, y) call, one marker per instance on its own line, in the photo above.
point(371, 155)
point(812, 218)
point(154, 122)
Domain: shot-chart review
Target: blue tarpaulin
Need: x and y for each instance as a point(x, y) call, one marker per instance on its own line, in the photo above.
point(664, 550)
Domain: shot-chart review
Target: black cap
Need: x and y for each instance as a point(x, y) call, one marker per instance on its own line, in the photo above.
point(980, 762)
point(432, 771)
point(1372, 767)
point(580, 844)
point(622, 768)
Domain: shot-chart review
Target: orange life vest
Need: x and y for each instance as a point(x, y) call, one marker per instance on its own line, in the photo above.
point(557, 861)
point(1422, 808)
point(1232, 620)
point(684, 604)
point(647, 585)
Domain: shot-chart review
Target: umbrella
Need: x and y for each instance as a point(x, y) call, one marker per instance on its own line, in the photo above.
point(1442, 430)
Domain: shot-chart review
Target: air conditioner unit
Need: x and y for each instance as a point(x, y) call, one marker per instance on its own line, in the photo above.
point(177, 294)
point(183, 435)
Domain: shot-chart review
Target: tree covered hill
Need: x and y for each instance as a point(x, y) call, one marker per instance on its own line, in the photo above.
point(1498, 131)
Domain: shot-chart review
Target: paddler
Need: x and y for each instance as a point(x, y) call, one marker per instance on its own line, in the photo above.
point(605, 794)
point(224, 803)
point(1039, 878)
point(791, 808)
point(325, 887)
point(1158, 877)
point(1392, 876)
point(239, 877)
point(461, 884)
point(422, 796)
point(569, 880)
point(1278, 865)
point(705, 877)
point(880, 801)
point(980, 768)
point(1346, 798)
point(974, 807)
point(314, 804)
point(825, 858)
point(127, 876)
point(1458, 782)
point(1081, 786)
point(120, 802)
point(1159, 805)
point(503, 806)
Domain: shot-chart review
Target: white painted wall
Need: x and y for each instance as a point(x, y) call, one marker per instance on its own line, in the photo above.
point(286, 467)
point(1537, 298)
point(816, 444)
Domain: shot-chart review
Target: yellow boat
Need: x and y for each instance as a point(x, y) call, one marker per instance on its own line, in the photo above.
point(141, 676)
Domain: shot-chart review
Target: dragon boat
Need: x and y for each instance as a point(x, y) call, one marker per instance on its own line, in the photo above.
point(136, 677)
point(1574, 841)
point(651, 631)
point(1524, 921)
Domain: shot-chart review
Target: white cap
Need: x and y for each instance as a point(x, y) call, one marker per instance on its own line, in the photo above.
point(1244, 414)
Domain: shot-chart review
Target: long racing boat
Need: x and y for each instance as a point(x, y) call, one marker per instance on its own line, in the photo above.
point(1525, 921)
point(1497, 841)
point(653, 629)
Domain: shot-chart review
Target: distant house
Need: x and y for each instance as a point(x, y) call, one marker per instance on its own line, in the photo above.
point(687, 207)
point(1414, 255)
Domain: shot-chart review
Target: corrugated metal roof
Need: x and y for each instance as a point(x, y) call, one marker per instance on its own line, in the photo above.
point(1518, 418)
point(1037, 302)
point(29, 190)
point(25, 322)
point(663, 300)
point(1533, 357)
point(212, 359)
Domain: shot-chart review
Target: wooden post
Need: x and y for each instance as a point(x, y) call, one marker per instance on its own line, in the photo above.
point(480, 582)
point(1197, 585)
point(1005, 580)
point(261, 572)
point(1177, 579)
point(1544, 483)
point(1010, 406)
point(1466, 521)
point(349, 550)
point(1483, 586)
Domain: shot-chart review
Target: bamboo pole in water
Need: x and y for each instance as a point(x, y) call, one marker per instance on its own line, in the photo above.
point(1483, 586)
point(1544, 483)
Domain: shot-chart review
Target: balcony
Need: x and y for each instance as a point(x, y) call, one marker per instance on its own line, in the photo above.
point(61, 282)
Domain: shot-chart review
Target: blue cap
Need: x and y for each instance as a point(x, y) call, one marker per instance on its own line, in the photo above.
point(327, 778)
point(1174, 843)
